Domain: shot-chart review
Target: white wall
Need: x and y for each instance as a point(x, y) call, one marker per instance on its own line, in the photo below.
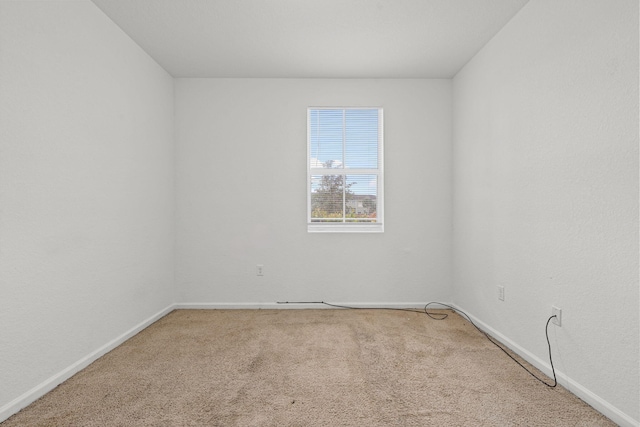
point(546, 190)
point(86, 189)
point(241, 192)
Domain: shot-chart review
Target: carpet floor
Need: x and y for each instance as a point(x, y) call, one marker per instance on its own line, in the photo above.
point(306, 368)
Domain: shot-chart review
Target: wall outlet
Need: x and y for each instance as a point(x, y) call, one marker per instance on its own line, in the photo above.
point(555, 311)
point(259, 270)
point(501, 293)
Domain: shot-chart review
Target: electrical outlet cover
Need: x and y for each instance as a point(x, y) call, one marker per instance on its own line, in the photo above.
point(555, 311)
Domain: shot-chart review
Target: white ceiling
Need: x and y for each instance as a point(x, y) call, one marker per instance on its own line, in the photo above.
point(311, 38)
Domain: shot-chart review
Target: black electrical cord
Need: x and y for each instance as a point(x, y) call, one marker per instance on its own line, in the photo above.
point(442, 316)
point(411, 310)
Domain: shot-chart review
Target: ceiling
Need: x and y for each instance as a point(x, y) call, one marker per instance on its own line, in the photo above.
point(311, 38)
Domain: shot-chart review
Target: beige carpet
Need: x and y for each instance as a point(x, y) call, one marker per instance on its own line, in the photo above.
point(306, 368)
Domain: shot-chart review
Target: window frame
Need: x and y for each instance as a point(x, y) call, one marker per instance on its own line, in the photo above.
point(348, 227)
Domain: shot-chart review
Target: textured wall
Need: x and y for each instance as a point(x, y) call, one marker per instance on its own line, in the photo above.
point(546, 188)
point(241, 194)
point(86, 188)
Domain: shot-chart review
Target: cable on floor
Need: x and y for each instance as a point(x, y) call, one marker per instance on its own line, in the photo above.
point(442, 316)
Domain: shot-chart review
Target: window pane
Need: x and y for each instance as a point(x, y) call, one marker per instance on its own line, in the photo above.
point(327, 198)
point(361, 139)
point(325, 138)
point(346, 195)
point(361, 198)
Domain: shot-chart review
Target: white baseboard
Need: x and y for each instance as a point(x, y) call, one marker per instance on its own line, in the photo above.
point(599, 404)
point(46, 386)
point(284, 305)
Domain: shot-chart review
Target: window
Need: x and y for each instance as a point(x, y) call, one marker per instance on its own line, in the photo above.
point(344, 170)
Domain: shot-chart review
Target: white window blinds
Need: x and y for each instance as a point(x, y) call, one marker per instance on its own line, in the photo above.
point(345, 179)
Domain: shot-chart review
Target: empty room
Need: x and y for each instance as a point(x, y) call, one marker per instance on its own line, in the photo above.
point(337, 212)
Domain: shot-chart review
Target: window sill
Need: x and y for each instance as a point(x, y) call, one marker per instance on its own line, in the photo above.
point(345, 228)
